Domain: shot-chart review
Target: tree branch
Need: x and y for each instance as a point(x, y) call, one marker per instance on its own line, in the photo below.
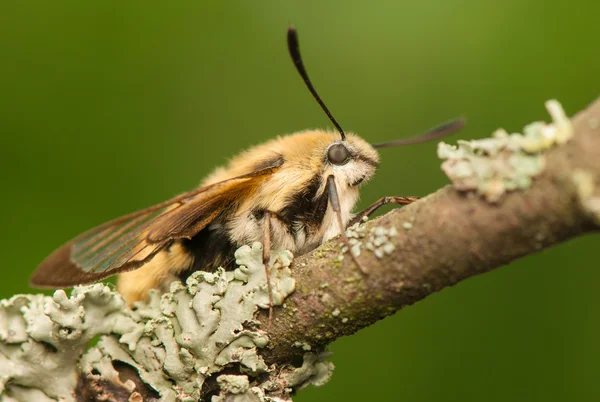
point(511, 196)
point(442, 239)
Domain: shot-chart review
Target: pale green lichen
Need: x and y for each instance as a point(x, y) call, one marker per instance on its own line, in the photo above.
point(586, 194)
point(305, 346)
point(175, 341)
point(377, 239)
point(17, 393)
point(236, 388)
point(42, 338)
point(505, 162)
point(315, 370)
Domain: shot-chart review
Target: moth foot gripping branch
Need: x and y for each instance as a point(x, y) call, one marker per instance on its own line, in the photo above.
point(178, 343)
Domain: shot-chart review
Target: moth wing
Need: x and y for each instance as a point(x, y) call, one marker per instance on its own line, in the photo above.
point(129, 242)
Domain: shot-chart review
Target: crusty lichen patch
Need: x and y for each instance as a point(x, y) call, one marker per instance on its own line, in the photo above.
point(506, 162)
point(586, 194)
point(175, 341)
point(236, 388)
point(377, 239)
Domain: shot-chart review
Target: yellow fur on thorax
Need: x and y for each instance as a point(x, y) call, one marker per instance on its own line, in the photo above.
point(303, 155)
point(300, 150)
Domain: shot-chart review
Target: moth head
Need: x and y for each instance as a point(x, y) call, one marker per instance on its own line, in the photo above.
point(353, 159)
point(349, 155)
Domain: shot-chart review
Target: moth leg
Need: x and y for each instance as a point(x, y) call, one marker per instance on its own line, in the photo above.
point(380, 203)
point(334, 199)
point(266, 257)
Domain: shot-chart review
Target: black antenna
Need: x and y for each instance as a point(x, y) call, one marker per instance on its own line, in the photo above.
point(294, 48)
point(440, 131)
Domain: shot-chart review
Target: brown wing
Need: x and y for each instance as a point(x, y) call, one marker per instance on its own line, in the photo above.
point(131, 241)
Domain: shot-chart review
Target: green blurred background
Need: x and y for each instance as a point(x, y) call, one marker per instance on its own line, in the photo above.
point(107, 108)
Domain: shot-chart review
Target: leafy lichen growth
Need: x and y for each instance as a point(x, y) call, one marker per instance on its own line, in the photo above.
point(175, 341)
point(505, 162)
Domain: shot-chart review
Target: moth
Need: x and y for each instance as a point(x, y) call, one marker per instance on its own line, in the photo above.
point(293, 192)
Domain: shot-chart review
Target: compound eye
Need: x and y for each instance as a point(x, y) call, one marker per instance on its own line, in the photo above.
point(338, 154)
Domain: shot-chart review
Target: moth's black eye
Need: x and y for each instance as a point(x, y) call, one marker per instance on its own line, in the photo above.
point(338, 154)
